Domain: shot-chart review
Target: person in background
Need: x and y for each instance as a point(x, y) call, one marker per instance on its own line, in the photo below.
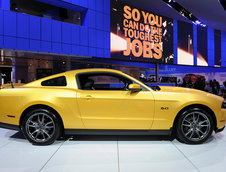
point(211, 86)
point(224, 90)
point(215, 87)
point(189, 83)
point(202, 85)
point(142, 77)
point(179, 82)
point(184, 83)
point(198, 84)
point(218, 87)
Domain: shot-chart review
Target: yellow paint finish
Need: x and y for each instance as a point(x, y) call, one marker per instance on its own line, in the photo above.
point(96, 109)
point(116, 109)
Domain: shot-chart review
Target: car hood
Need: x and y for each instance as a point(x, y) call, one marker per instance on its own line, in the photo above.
point(187, 90)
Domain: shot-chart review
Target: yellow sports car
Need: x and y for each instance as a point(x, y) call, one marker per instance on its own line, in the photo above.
point(105, 101)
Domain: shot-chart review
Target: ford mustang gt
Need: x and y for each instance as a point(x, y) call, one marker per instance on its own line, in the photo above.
point(105, 101)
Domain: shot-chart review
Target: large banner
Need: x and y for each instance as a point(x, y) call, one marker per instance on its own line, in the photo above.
point(217, 47)
point(185, 44)
point(138, 35)
point(202, 54)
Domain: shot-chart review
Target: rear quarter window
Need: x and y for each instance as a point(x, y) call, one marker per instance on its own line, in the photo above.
point(59, 81)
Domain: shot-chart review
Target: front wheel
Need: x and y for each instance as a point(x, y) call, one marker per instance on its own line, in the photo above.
point(194, 126)
point(41, 127)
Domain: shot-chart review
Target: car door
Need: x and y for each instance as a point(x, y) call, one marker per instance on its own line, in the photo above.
point(107, 104)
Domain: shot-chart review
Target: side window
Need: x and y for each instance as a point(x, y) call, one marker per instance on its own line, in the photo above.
point(103, 81)
point(59, 81)
point(107, 82)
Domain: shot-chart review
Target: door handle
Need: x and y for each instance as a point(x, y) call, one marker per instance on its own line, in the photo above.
point(88, 97)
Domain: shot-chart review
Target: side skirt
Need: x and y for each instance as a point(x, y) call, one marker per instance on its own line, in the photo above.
point(116, 132)
point(9, 126)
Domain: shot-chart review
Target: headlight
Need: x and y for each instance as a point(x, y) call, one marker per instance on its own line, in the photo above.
point(223, 105)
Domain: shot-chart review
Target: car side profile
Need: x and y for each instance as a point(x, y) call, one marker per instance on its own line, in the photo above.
point(106, 101)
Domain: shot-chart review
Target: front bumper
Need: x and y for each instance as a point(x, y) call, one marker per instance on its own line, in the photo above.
point(221, 122)
point(219, 130)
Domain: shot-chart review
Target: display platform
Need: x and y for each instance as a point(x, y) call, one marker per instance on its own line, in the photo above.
point(111, 154)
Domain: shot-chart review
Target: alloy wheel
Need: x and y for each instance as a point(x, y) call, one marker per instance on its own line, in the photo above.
point(40, 127)
point(195, 126)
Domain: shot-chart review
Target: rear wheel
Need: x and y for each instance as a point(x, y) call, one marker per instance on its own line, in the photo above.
point(194, 126)
point(41, 127)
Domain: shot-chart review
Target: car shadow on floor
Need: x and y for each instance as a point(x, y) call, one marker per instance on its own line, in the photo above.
point(19, 135)
point(119, 138)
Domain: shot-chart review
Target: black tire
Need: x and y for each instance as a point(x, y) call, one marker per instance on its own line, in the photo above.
point(41, 127)
point(194, 126)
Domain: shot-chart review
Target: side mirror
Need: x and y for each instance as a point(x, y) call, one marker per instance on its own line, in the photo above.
point(134, 87)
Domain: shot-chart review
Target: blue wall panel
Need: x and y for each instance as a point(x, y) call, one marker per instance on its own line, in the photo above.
point(1, 22)
point(56, 47)
point(46, 46)
point(75, 49)
point(56, 31)
point(85, 18)
point(210, 45)
point(84, 3)
point(92, 37)
point(9, 23)
point(107, 24)
point(107, 6)
point(22, 44)
point(22, 25)
point(66, 48)
point(46, 27)
point(84, 50)
point(99, 39)
point(10, 42)
point(75, 2)
point(5, 4)
point(106, 40)
point(34, 28)
point(99, 21)
point(66, 33)
point(26, 32)
point(1, 42)
point(35, 45)
point(75, 35)
point(91, 18)
point(84, 36)
point(100, 52)
point(100, 5)
point(223, 48)
point(92, 51)
point(92, 4)
point(107, 53)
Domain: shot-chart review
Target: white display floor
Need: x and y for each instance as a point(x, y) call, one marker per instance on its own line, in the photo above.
point(111, 154)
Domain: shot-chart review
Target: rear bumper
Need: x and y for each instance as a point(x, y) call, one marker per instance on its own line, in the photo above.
point(9, 126)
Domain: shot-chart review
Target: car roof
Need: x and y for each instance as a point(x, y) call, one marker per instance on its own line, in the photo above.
point(93, 70)
point(37, 83)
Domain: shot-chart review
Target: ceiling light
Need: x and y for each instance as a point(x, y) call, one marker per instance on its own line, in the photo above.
point(197, 22)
